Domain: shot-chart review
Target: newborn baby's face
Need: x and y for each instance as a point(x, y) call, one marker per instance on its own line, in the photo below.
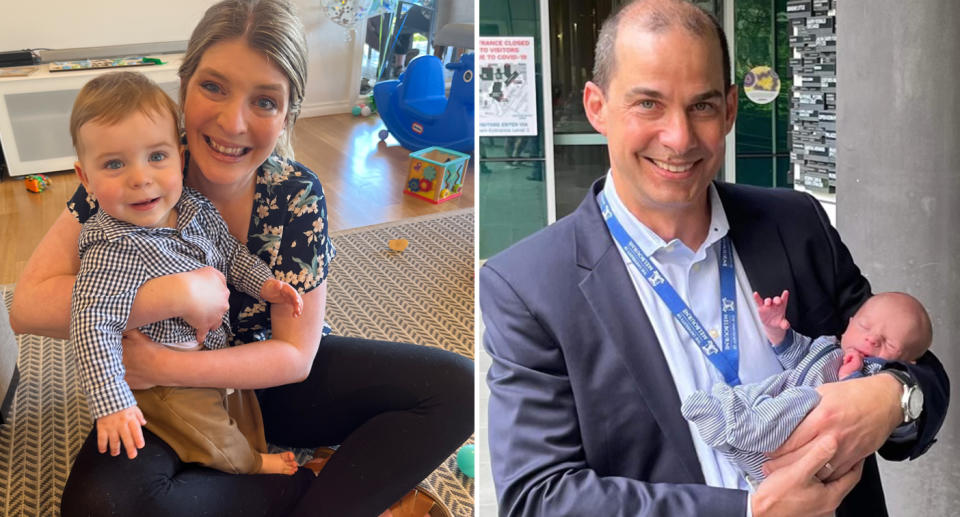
point(883, 327)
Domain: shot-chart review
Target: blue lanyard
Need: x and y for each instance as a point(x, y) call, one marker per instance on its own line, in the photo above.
point(726, 356)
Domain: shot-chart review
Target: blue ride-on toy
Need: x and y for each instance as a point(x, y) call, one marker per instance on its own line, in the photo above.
point(418, 113)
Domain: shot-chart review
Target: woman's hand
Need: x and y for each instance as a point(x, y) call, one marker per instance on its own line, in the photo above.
point(200, 297)
point(141, 359)
point(205, 299)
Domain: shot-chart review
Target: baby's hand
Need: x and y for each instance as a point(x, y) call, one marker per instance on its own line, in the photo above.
point(124, 427)
point(772, 313)
point(852, 362)
point(276, 291)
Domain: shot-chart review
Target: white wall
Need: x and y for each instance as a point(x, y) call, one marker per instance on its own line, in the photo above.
point(333, 76)
point(69, 24)
point(333, 73)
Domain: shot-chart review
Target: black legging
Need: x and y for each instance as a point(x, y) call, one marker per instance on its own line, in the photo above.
point(397, 411)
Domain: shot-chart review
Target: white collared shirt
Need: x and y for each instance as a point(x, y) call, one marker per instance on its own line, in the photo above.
point(694, 274)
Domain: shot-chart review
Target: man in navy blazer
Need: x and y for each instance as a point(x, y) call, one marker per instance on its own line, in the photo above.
point(584, 407)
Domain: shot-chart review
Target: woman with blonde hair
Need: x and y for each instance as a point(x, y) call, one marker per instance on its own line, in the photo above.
point(396, 410)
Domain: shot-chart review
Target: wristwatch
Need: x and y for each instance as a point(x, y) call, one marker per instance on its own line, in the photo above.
point(911, 401)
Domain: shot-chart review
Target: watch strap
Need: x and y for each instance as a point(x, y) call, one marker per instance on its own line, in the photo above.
point(905, 378)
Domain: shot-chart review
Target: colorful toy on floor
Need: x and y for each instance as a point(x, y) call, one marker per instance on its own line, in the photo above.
point(37, 182)
point(466, 459)
point(419, 115)
point(365, 108)
point(436, 174)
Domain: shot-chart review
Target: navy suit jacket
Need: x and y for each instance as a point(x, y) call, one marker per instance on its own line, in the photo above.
point(584, 414)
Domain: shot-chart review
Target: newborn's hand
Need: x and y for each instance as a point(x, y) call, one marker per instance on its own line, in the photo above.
point(772, 312)
point(852, 362)
point(276, 291)
point(122, 427)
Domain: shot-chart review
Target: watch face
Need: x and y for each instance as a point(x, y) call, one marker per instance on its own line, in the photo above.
point(915, 403)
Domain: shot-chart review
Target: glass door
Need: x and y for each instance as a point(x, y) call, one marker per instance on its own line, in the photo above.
point(579, 152)
point(761, 39)
point(512, 178)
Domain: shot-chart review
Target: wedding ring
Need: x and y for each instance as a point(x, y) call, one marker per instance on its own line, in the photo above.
point(825, 471)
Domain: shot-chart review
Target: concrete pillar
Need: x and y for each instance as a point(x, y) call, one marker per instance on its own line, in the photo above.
point(898, 194)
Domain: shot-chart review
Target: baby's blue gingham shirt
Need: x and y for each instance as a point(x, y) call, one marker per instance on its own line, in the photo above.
point(116, 258)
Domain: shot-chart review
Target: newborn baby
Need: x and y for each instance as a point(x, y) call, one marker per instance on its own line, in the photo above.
point(746, 421)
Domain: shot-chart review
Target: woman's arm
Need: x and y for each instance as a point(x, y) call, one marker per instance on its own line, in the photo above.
point(285, 359)
point(199, 296)
point(41, 300)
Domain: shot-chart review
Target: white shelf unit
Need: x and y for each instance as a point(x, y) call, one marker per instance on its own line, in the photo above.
point(35, 113)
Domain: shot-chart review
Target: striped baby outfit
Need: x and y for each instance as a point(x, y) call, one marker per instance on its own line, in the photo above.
point(746, 421)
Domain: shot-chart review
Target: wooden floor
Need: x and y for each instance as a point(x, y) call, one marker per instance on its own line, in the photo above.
point(363, 179)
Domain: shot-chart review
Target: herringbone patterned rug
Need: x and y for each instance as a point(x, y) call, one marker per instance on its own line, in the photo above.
point(422, 295)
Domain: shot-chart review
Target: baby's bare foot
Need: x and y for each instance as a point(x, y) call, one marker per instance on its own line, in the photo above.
point(282, 463)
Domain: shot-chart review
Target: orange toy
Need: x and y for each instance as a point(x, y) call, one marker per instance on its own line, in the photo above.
point(37, 182)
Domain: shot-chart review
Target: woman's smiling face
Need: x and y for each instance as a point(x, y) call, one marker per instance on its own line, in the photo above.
point(235, 108)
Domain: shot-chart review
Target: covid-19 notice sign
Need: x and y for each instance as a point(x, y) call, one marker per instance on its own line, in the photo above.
point(508, 94)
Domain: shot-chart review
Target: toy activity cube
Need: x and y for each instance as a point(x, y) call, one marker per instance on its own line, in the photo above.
point(436, 174)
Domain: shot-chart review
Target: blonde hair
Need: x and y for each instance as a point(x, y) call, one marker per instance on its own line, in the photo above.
point(269, 26)
point(111, 97)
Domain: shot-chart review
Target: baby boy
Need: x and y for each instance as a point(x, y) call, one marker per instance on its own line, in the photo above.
point(746, 421)
point(124, 128)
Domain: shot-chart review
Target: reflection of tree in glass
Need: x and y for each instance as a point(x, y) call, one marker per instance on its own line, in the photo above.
point(754, 47)
point(760, 35)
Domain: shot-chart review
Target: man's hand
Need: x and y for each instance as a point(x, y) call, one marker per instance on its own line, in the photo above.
point(122, 427)
point(858, 414)
point(772, 313)
point(794, 489)
point(141, 357)
point(205, 299)
point(276, 291)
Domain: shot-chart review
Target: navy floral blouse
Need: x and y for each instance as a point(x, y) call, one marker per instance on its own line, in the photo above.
point(288, 231)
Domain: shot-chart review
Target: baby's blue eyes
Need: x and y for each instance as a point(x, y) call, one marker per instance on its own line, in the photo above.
point(155, 156)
